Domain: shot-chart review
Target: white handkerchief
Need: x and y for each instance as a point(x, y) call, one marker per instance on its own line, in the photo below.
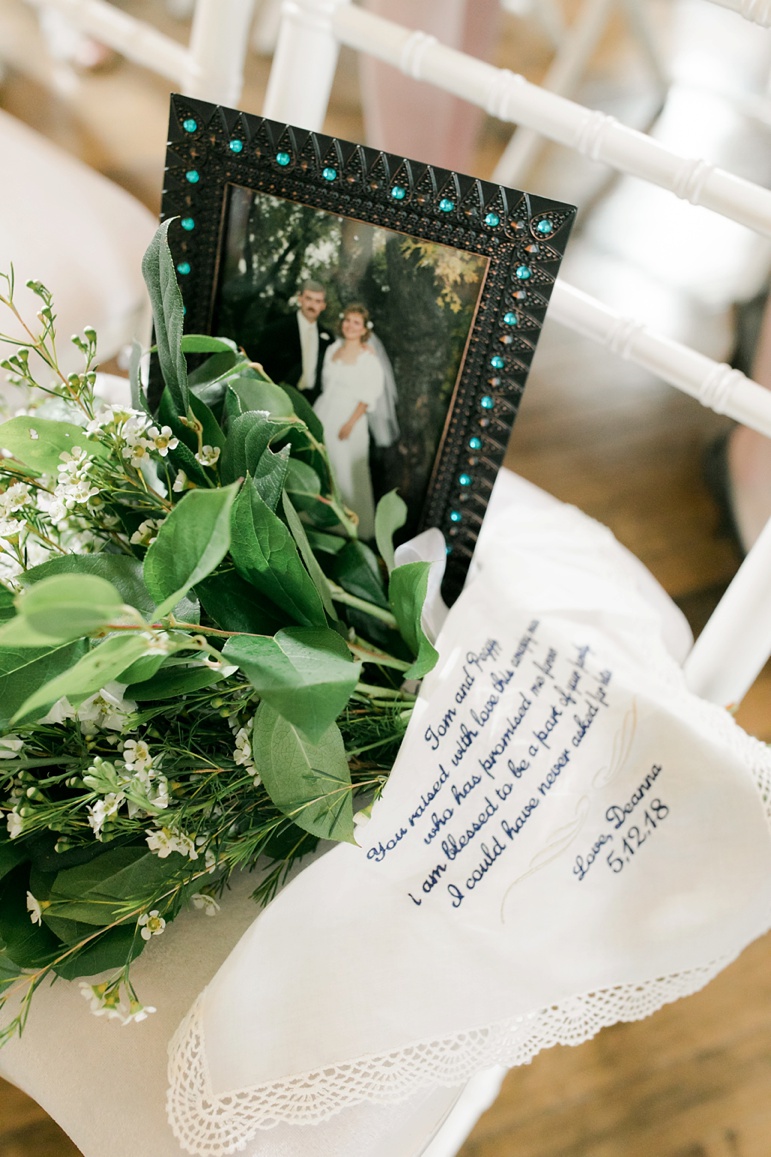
point(568, 839)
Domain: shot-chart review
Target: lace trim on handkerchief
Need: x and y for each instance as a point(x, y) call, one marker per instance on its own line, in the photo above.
point(210, 1125)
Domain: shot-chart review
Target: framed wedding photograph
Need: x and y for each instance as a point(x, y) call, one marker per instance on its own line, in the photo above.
point(404, 301)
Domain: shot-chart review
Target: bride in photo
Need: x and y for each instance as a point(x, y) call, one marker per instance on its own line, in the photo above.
point(352, 382)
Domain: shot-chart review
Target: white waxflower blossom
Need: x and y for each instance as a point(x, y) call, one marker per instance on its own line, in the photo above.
point(137, 1012)
point(11, 747)
point(10, 527)
point(208, 455)
point(180, 482)
point(163, 439)
point(15, 824)
point(107, 710)
point(103, 999)
point(61, 711)
point(205, 903)
point(147, 532)
point(15, 498)
point(34, 908)
point(164, 841)
point(243, 751)
point(151, 924)
point(136, 755)
point(103, 810)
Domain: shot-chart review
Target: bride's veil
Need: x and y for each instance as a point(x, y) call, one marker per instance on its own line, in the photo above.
point(383, 422)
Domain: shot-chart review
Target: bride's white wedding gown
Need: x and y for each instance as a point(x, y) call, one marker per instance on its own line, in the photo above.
point(344, 385)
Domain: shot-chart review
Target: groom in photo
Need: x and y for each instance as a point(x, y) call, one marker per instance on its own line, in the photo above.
point(292, 348)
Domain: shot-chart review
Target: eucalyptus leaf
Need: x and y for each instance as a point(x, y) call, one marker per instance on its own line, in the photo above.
point(108, 887)
point(320, 580)
point(235, 605)
point(211, 433)
point(308, 782)
point(173, 682)
point(261, 394)
point(202, 343)
point(11, 855)
point(122, 570)
point(168, 314)
point(38, 443)
point(357, 571)
point(390, 516)
point(265, 554)
point(323, 543)
point(22, 672)
point(69, 606)
point(112, 949)
point(7, 604)
point(305, 411)
point(26, 944)
point(192, 541)
point(305, 673)
point(406, 594)
point(249, 435)
point(270, 475)
point(98, 666)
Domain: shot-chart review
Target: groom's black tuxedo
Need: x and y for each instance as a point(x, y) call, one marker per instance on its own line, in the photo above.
point(280, 352)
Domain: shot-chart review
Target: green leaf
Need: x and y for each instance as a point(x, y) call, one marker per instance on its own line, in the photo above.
point(23, 671)
point(235, 605)
point(7, 603)
point(407, 594)
point(183, 456)
point(98, 666)
point(249, 435)
point(38, 443)
point(172, 682)
point(122, 570)
point(323, 543)
point(260, 394)
point(265, 554)
point(142, 670)
point(114, 948)
point(270, 475)
point(68, 606)
point(211, 433)
point(305, 673)
point(168, 314)
point(390, 516)
point(12, 854)
point(108, 887)
point(192, 541)
point(357, 571)
point(308, 782)
point(26, 944)
point(201, 343)
point(305, 411)
point(320, 581)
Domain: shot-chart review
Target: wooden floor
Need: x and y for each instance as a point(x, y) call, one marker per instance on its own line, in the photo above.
point(695, 1079)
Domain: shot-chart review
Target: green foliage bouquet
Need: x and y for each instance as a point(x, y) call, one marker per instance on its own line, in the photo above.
point(201, 665)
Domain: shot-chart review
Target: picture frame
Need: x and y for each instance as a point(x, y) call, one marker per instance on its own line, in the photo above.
point(455, 272)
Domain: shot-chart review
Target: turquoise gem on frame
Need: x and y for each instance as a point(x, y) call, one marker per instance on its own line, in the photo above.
point(497, 362)
point(188, 224)
point(523, 273)
point(329, 174)
point(475, 443)
point(545, 227)
point(510, 319)
point(464, 479)
point(446, 205)
point(492, 219)
point(487, 402)
point(283, 159)
point(398, 192)
point(190, 125)
point(192, 176)
point(455, 516)
point(236, 146)
point(183, 267)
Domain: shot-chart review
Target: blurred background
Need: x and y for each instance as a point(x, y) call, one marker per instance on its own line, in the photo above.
point(593, 429)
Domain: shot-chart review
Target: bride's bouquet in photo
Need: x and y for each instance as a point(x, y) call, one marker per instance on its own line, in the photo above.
point(202, 665)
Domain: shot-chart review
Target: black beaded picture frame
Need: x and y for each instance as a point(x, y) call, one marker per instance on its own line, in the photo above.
point(471, 262)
